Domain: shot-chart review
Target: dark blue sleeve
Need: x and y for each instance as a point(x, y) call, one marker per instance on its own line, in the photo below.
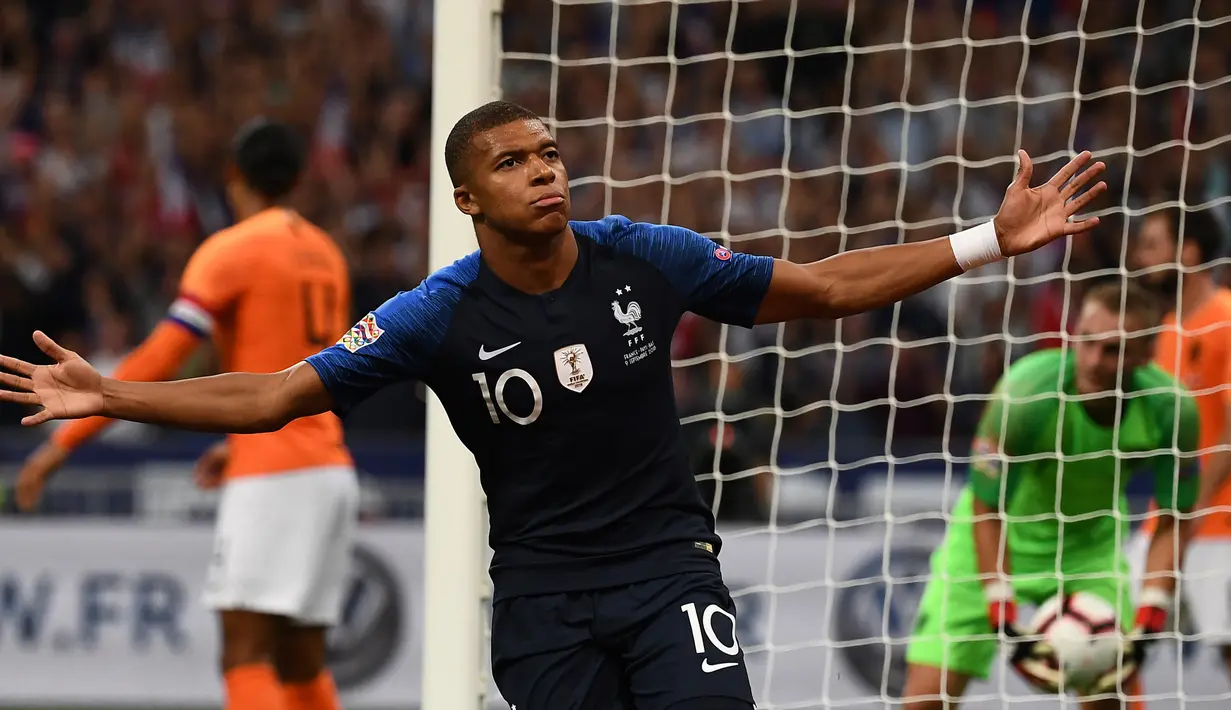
point(394, 343)
point(713, 281)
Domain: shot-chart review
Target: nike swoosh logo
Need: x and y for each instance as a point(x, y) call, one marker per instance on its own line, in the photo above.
point(485, 354)
point(707, 667)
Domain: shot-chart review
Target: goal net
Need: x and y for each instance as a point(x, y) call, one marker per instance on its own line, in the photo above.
point(832, 452)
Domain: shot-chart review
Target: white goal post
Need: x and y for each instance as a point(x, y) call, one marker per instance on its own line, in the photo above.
point(465, 53)
point(868, 122)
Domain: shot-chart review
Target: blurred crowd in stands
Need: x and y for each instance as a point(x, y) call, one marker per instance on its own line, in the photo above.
point(115, 117)
point(115, 123)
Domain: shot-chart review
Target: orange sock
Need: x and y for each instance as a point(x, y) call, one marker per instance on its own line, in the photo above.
point(254, 687)
point(1134, 692)
point(317, 694)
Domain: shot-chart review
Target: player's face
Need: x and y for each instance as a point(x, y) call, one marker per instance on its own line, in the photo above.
point(1155, 250)
point(1104, 345)
point(517, 184)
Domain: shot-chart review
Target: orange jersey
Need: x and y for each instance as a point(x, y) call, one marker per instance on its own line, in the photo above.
point(1198, 354)
point(271, 291)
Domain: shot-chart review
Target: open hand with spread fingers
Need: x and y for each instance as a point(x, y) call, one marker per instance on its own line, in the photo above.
point(1031, 217)
point(69, 389)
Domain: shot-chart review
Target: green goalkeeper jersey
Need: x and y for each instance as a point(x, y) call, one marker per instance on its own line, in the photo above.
point(1042, 456)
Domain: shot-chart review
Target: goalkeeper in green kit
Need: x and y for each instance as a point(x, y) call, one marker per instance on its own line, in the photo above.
point(1037, 460)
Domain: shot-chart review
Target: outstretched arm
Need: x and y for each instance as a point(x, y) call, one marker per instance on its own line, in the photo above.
point(391, 344)
point(866, 279)
point(234, 403)
point(856, 281)
point(239, 403)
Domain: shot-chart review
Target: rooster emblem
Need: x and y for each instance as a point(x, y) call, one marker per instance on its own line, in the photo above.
point(628, 317)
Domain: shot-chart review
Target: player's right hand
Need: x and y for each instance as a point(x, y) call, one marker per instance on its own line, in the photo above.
point(35, 472)
point(1002, 613)
point(210, 467)
point(69, 389)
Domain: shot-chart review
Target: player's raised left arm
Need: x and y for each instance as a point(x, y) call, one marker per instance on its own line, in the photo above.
point(866, 279)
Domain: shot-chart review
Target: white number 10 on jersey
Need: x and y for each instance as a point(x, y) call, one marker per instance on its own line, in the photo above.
point(501, 382)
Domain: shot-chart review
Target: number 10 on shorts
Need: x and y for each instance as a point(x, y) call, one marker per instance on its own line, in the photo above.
point(702, 626)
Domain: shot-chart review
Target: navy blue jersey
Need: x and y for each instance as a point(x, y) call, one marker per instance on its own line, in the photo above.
point(565, 398)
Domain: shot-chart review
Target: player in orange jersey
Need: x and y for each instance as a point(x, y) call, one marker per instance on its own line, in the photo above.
point(270, 291)
point(1195, 347)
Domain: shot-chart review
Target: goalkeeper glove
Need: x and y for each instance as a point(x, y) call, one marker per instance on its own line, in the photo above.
point(1150, 622)
point(1002, 614)
point(1031, 657)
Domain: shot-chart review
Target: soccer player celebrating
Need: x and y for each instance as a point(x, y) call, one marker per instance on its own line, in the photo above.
point(1058, 441)
point(549, 350)
point(1195, 347)
point(270, 291)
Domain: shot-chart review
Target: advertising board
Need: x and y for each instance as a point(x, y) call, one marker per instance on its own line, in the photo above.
point(110, 614)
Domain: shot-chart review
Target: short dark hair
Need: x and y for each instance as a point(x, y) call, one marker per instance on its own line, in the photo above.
point(484, 118)
point(270, 157)
point(1200, 228)
point(1117, 294)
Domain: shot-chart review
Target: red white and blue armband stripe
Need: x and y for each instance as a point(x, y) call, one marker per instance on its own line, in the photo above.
point(193, 315)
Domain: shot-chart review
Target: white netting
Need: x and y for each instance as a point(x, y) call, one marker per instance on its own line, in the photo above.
point(802, 128)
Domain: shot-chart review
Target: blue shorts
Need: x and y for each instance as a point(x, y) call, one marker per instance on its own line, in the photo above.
point(649, 645)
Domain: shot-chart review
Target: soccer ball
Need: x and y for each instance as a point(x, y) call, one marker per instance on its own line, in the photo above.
point(1081, 629)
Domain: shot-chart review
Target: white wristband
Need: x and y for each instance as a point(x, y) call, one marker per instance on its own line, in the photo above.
point(976, 246)
point(998, 590)
point(1157, 598)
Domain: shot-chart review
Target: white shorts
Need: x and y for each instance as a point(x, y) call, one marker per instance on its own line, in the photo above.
point(1205, 585)
point(283, 544)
